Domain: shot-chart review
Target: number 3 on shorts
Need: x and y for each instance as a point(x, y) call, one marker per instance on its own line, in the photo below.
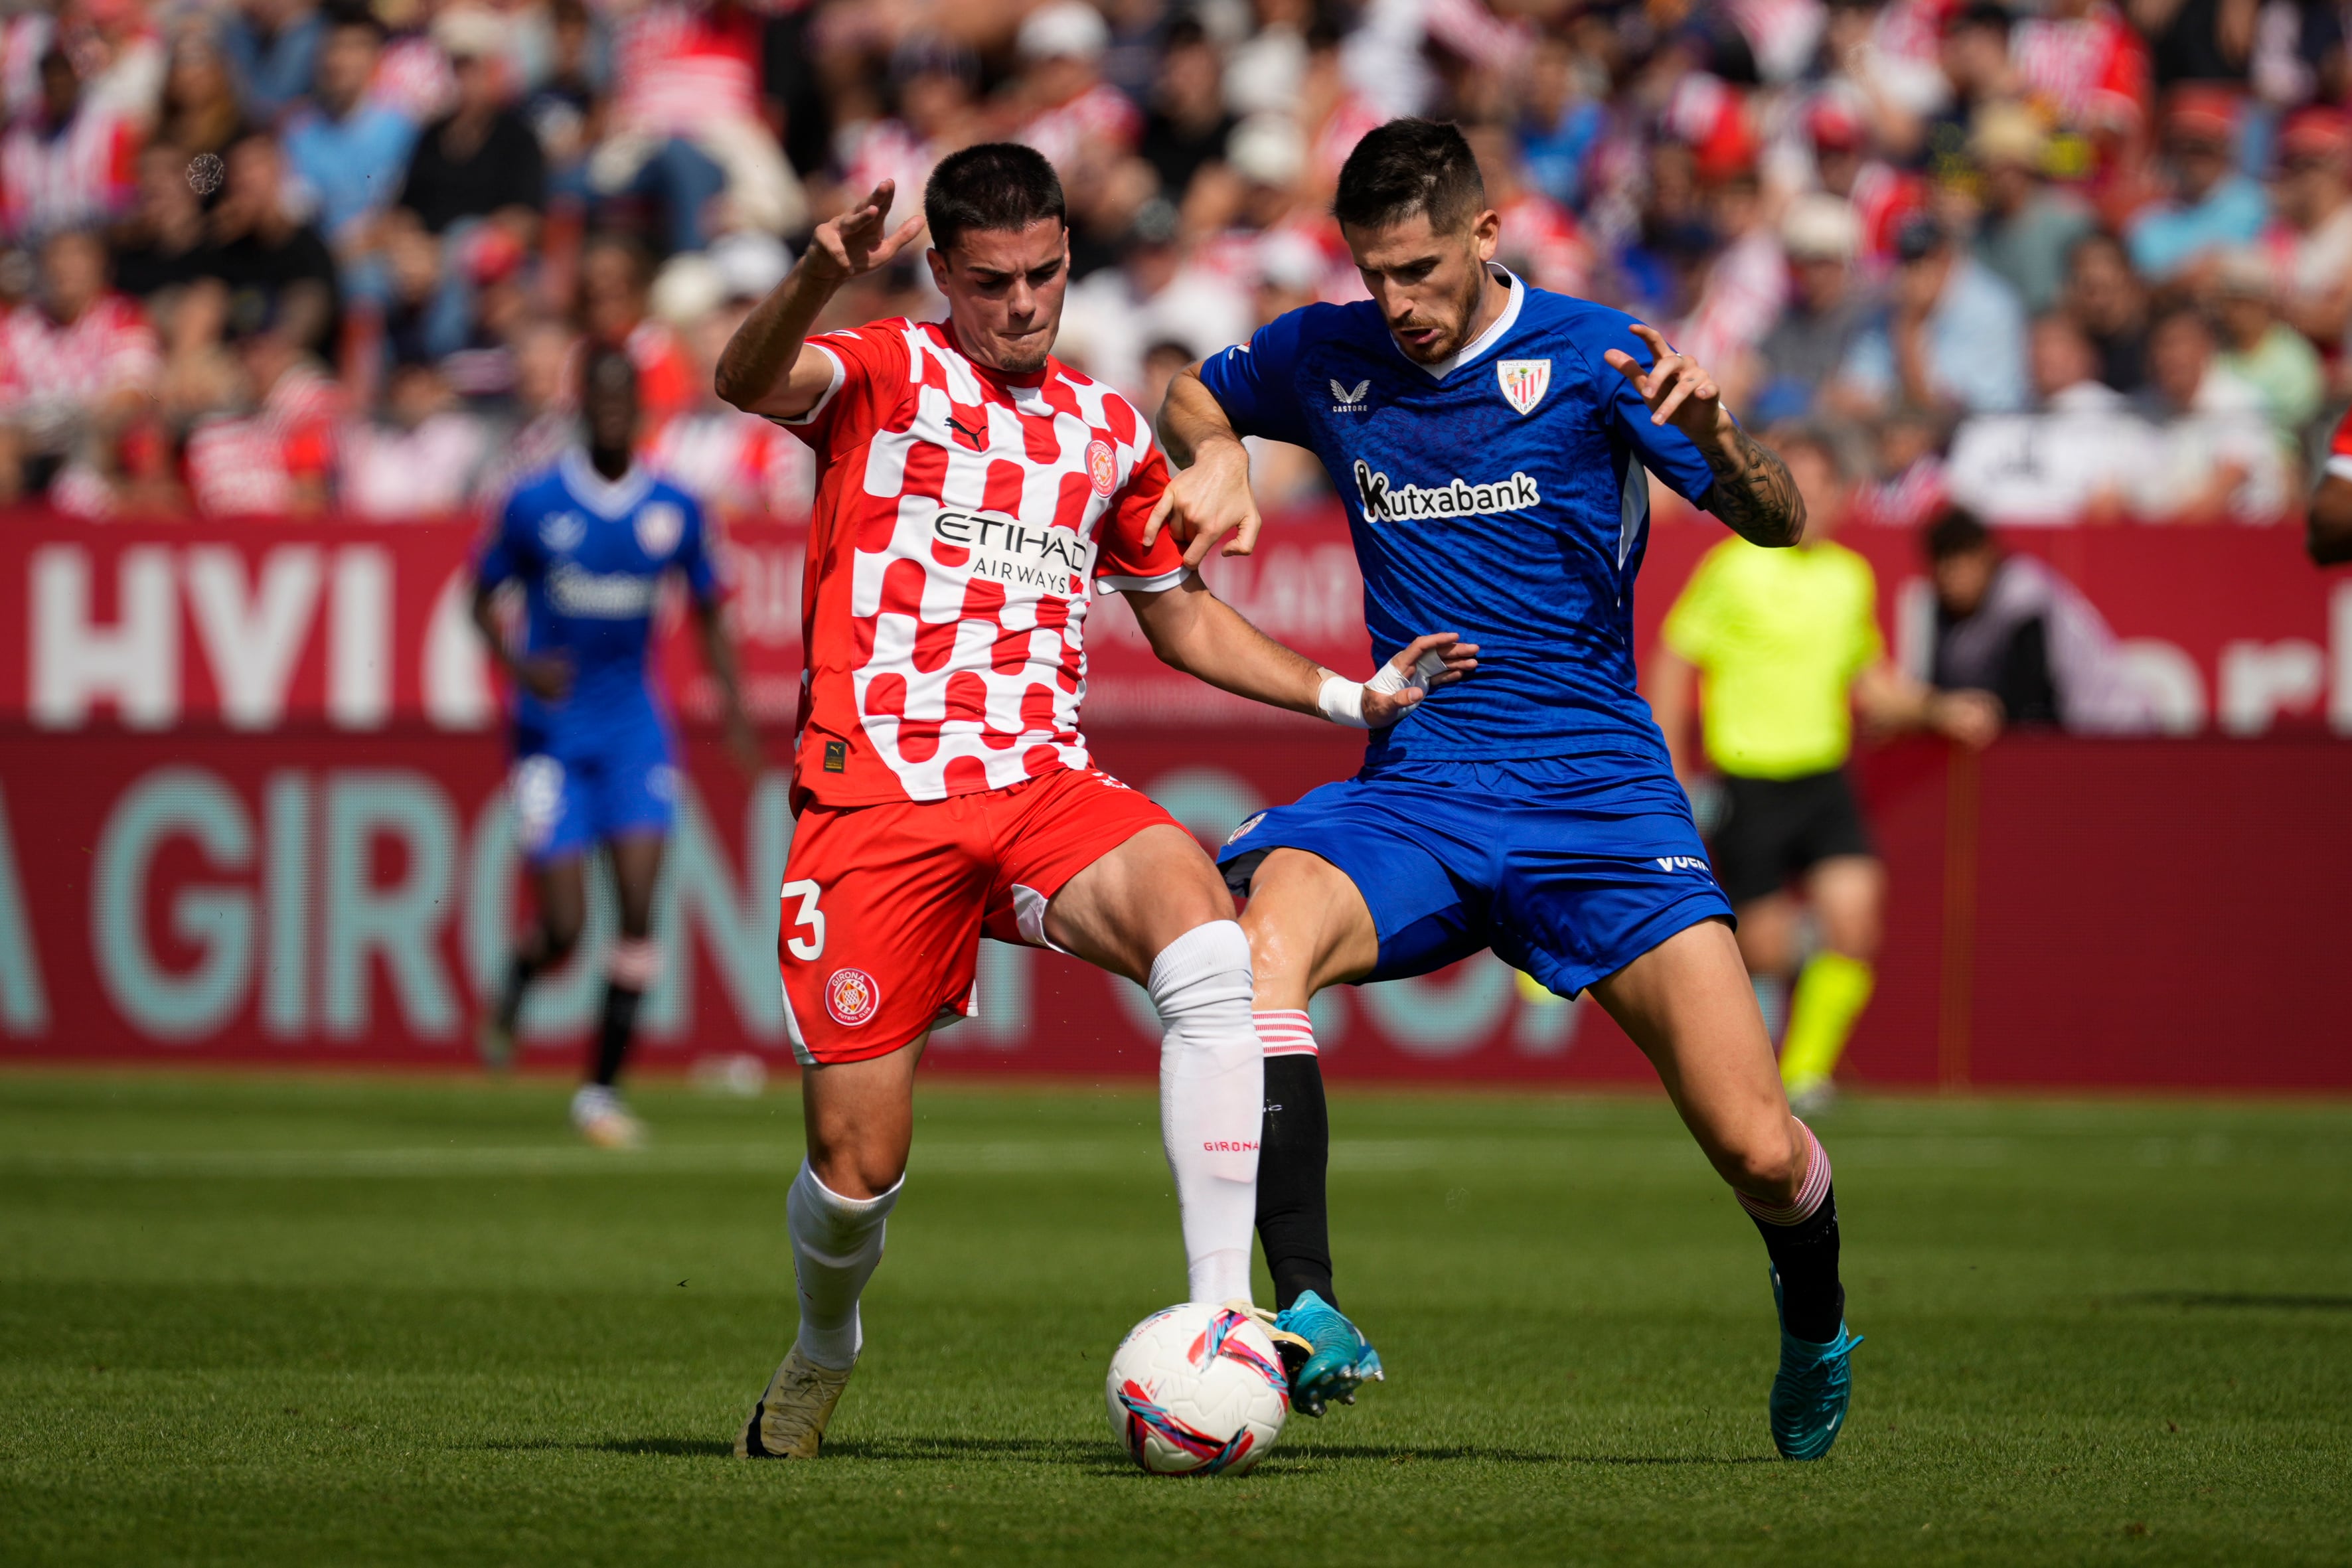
point(811, 947)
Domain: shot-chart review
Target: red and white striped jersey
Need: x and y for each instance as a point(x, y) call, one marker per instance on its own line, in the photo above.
point(67, 177)
point(247, 466)
point(1099, 122)
point(962, 517)
point(2092, 69)
point(51, 372)
point(685, 64)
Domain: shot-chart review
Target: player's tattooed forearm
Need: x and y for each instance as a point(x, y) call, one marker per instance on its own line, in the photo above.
point(1753, 493)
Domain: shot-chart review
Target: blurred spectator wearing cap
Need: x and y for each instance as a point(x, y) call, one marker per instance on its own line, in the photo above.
point(420, 458)
point(2310, 236)
point(69, 163)
point(2108, 301)
point(1953, 335)
point(2263, 351)
point(76, 368)
point(2011, 627)
point(687, 127)
point(481, 160)
point(2216, 457)
point(2079, 456)
point(349, 150)
point(2028, 228)
point(273, 50)
point(1827, 314)
point(2211, 206)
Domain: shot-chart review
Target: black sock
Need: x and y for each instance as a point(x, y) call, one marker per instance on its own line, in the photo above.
point(1294, 1145)
point(1812, 1302)
point(521, 970)
point(613, 1035)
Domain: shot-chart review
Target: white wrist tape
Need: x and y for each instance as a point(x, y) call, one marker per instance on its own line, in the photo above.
point(1341, 701)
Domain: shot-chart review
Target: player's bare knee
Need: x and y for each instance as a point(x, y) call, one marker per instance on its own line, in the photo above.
point(1766, 1164)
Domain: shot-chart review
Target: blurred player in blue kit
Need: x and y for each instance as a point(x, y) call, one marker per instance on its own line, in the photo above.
point(589, 542)
point(1493, 445)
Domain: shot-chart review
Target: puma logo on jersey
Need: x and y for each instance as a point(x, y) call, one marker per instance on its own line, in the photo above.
point(1681, 863)
point(1352, 398)
point(979, 439)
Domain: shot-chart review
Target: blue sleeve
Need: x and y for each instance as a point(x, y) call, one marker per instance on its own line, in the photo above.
point(694, 555)
point(1663, 451)
point(508, 553)
point(1255, 382)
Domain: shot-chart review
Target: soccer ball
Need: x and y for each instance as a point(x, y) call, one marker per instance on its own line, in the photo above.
point(1196, 1390)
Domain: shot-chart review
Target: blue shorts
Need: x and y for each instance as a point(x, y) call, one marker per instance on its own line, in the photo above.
point(565, 805)
point(1568, 868)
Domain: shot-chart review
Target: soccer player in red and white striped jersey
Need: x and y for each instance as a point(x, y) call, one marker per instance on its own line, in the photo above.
point(973, 497)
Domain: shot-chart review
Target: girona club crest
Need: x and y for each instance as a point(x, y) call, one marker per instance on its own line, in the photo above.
point(1524, 381)
point(1102, 467)
point(852, 997)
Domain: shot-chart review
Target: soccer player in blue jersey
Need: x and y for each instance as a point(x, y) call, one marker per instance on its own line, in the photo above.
point(589, 540)
point(1493, 445)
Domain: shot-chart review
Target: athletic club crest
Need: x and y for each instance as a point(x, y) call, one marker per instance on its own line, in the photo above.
point(1524, 381)
point(1102, 467)
point(851, 997)
point(659, 528)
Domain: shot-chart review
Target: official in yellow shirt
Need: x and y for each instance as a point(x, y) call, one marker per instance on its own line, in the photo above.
point(1782, 646)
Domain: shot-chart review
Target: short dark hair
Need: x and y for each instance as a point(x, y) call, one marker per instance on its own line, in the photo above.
point(1410, 166)
point(994, 185)
point(1957, 532)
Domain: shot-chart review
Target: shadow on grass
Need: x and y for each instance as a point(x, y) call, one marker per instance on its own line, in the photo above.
point(1101, 1458)
point(2236, 1301)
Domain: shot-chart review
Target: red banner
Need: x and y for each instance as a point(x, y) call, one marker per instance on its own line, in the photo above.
point(2065, 912)
point(363, 627)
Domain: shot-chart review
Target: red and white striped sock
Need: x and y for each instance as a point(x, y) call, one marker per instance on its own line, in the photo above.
point(1285, 1032)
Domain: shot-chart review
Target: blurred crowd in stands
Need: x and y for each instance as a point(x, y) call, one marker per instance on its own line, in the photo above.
point(2057, 261)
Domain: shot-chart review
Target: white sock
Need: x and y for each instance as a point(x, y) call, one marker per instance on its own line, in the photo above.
point(1211, 1101)
point(836, 1242)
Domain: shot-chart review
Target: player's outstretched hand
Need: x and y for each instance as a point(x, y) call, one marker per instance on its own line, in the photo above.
point(546, 676)
point(1207, 502)
point(856, 242)
point(1678, 391)
point(1440, 658)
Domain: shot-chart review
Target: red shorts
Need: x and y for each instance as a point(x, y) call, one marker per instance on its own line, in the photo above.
point(884, 905)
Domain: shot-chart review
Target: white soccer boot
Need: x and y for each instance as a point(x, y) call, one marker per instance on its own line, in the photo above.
point(789, 1421)
point(604, 1120)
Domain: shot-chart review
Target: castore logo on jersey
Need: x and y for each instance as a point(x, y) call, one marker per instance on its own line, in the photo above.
point(1352, 399)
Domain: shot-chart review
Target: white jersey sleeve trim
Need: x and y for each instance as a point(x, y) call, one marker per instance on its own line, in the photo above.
point(1159, 584)
point(831, 387)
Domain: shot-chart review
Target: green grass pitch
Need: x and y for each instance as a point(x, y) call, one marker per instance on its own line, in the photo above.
point(343, 1320)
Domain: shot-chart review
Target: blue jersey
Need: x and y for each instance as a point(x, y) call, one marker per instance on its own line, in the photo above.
point(1500, 494)
point(591, 555)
